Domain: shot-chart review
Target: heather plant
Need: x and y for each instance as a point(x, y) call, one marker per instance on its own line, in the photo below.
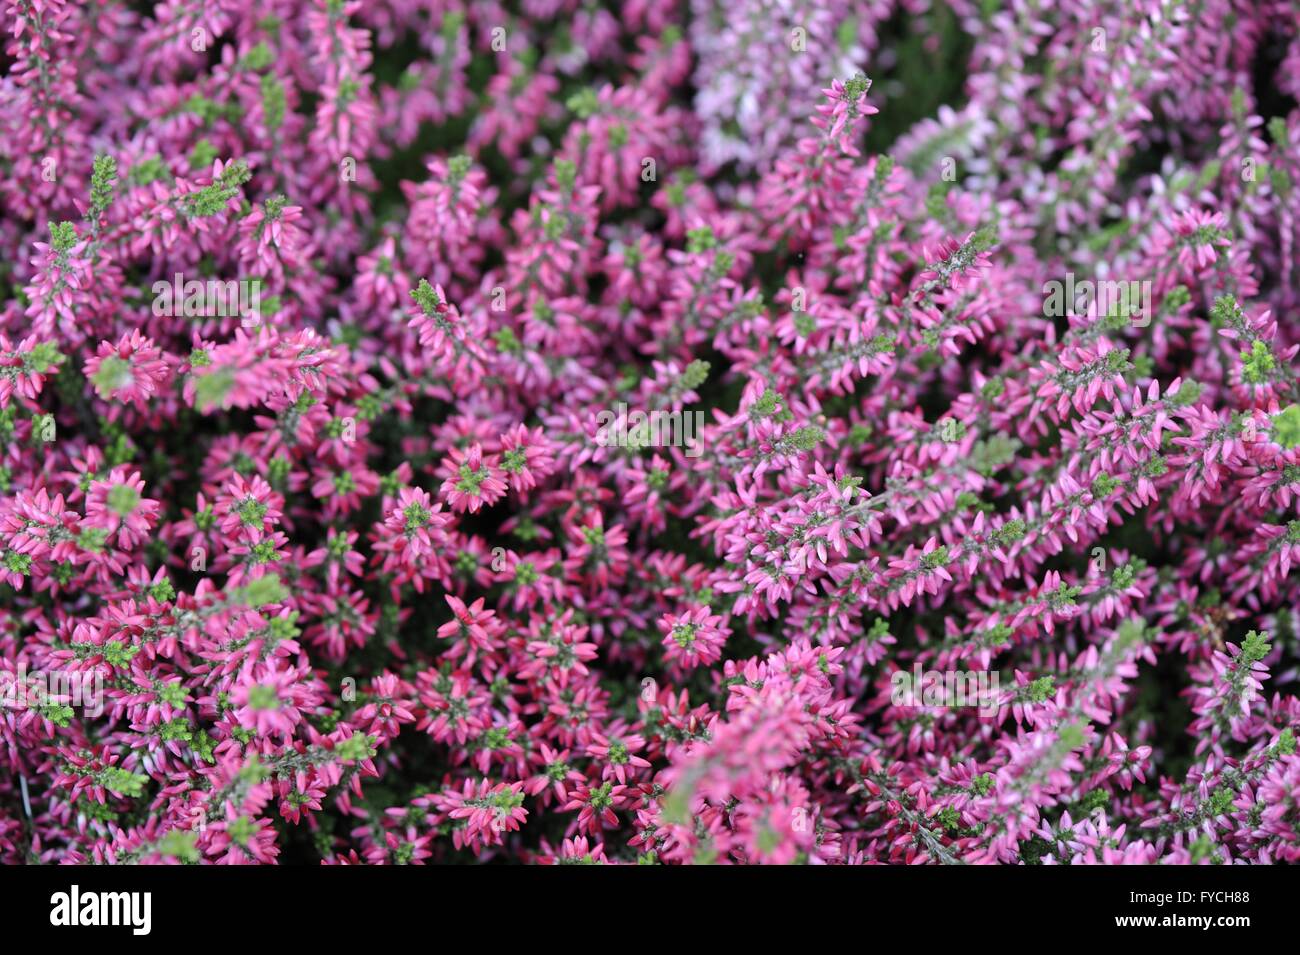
point(557, 432)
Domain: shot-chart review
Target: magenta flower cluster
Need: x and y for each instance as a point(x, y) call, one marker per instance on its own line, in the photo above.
point(949, 513)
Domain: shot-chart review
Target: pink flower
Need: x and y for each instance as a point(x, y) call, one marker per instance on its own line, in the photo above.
point(694, 638)
point(130, 372)
point(118, 505)
point(268, 698)
point(470, 481)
